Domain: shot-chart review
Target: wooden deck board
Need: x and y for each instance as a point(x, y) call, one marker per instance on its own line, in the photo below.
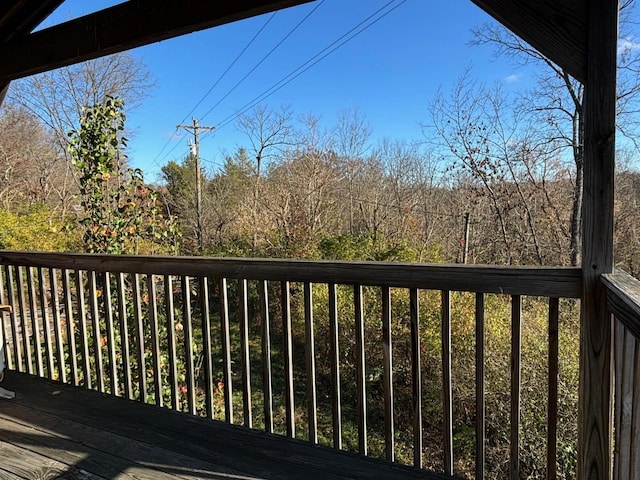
point(71, 430)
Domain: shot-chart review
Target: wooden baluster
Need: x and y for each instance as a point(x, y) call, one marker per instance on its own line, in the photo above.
point(26, 343)
point(335, 367)
point(389, 432)
point(138, 318)
point(416, 376)
point(285, 298)
point(188, 344)
point(82, 313)
point(155, 339)
point(35, 328)
point(137, 314)
point(4, 324)
point(552, 407)
point(516, 332)
point(312, 402)
point(447, 413)
point(46, 326)
point(634, 471)
point(111, 341)
point(11, 293)
point(226, 352)
point(480, 403)
point(97, 334)
point(246, 361)
point(124, 336)
point(171, 339)
point(361, 392)
point(625, 434)
point(55, 308)
point(203, 290)
point(71, 331)
point(266, 358)
point(619, 331)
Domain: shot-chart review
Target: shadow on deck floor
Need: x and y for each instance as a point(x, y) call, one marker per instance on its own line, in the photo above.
point(54, 431)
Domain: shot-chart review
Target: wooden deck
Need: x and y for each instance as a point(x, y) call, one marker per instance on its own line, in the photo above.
point(53, 431)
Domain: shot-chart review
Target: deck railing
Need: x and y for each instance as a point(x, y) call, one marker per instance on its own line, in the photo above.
point(279, 345)
point(623, 301)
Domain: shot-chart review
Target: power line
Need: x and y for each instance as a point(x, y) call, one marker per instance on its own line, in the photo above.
point(318, 57)
point(235, 60)
point(264, 58)
point(215, 84)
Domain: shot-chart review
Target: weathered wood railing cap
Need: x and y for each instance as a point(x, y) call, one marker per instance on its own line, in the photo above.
point(535, 281)
point(623, 299)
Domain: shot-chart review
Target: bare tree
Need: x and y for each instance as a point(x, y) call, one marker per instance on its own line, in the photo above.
point(28, 163)
point(269, 132)
point(508, 160)
point(557, 100)
point(57, 98)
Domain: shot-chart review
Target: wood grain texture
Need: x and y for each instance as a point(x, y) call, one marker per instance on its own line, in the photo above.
point(114, 438)
point(129, 25)
point(552, 390)
point(187, 326)
point(287, 345)
point(562, 282)
point(558, 29)
point(114, 368)
point(246, 354)
point(96, 334)
point(267, 382)
point(480, 390)
point(82, 326)
point(24, 332)
point(171, 340)
point(416, 377)
point(596, 376)
point(46, 325)
point(334, 344)
point(35, 327)
point(623, 299)
point(203, 297)
point(447, 393)
point(387, 360)
point(225, 334)
point(140, 346)
point(361, 365)
point(310, 353)
point(57, 325)
point(125, 348)
point(516, 354)
point(71, 334)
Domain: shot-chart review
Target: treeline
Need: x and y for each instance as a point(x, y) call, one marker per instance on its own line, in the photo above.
point(329, 194)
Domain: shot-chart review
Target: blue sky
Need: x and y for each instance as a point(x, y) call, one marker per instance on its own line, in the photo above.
point(390, 72)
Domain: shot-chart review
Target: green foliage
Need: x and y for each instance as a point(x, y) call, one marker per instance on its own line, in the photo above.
point(37, 229)
point(121, 212)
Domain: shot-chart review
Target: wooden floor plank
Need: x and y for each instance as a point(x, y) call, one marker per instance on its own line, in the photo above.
point(96, 451)
point(200, 448)
point(20, 463)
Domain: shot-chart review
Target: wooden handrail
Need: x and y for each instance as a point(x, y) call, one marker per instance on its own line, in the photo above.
point(623, 299)
point(130, 320)
point(562, 282)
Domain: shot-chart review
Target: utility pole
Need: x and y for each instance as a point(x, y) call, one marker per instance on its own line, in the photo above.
point(195, 151)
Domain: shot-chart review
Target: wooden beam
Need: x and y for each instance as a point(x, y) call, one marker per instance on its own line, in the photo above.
point(122, 27)
point(19, 18)
point(596, 375)
point(556, 28)
point(4, 88)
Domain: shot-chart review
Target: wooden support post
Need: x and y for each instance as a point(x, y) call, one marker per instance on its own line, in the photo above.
point(596, 375)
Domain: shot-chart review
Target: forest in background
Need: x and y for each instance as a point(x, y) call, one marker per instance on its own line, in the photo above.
point(496, 179)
